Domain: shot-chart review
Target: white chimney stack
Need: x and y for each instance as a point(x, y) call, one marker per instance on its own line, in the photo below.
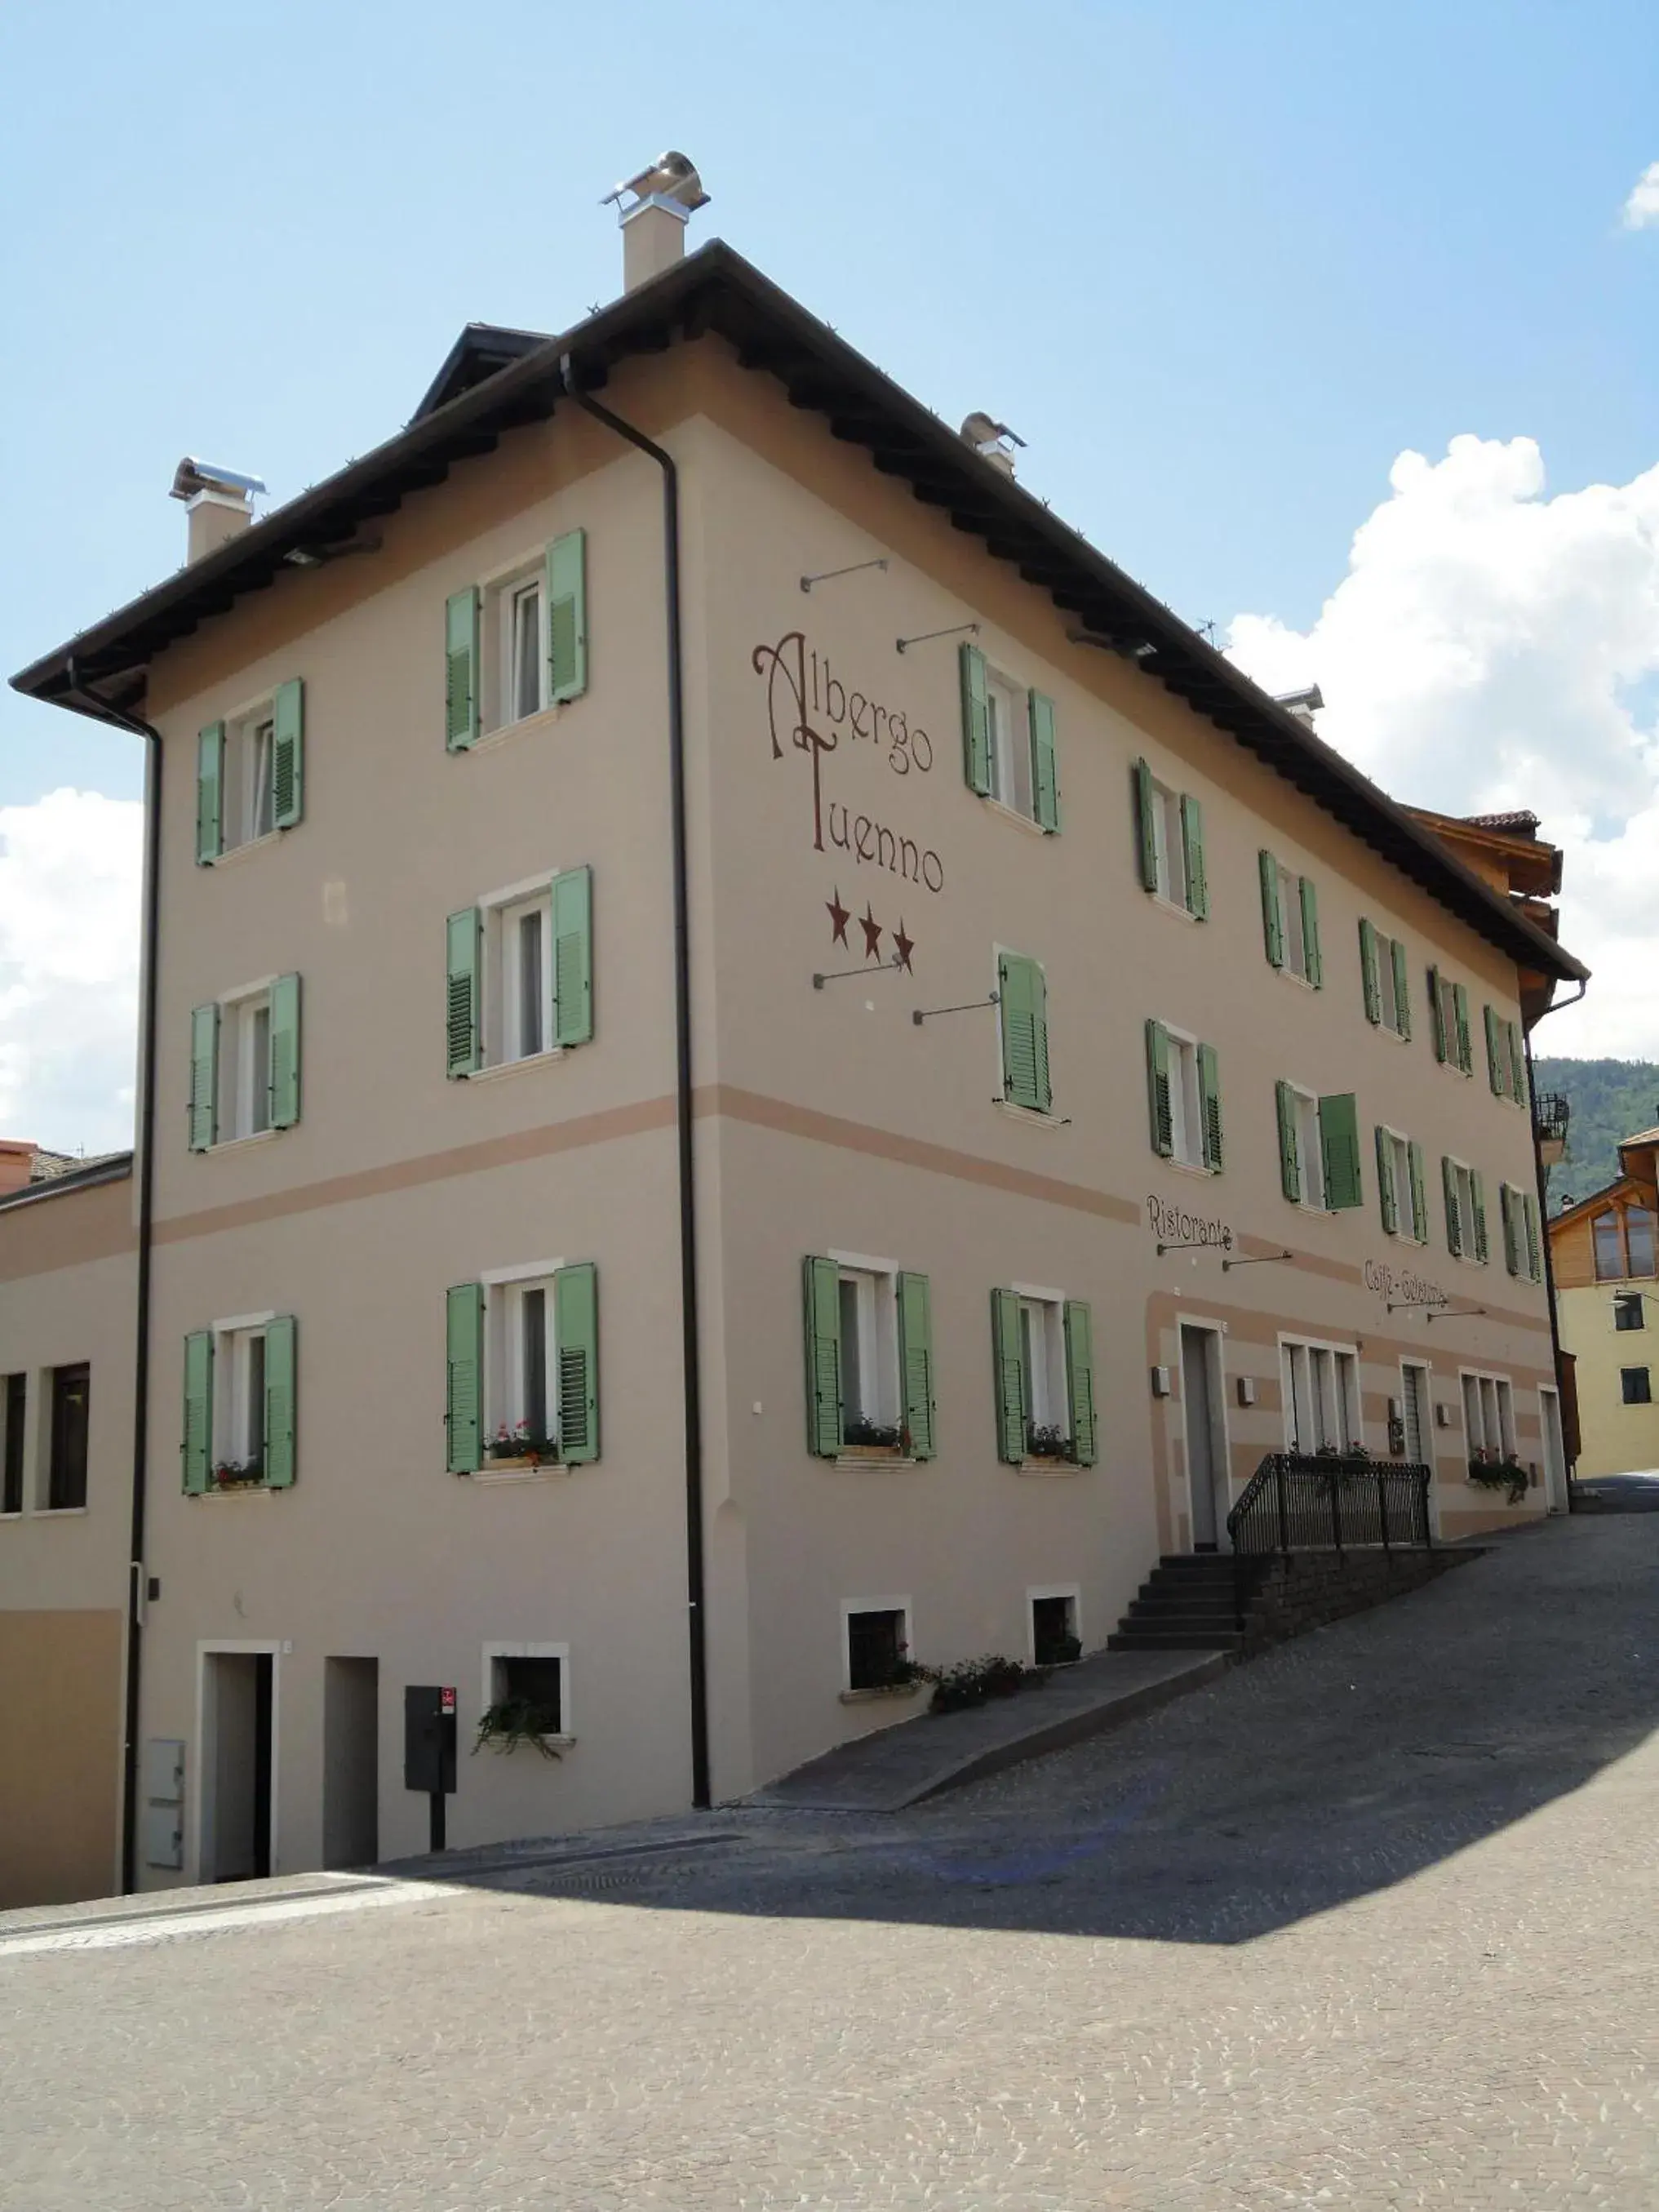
point(219, 502)
point(659, 202)
point(993, 441)
point(1304, 705)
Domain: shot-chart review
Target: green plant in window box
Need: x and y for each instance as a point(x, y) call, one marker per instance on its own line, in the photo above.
point(883, 1438)
point(976, 1681)
point(520, 1447)
point(239, 1474)
point(1059, 1651)
point(901, 1671)
point(1049, 1441)
point(1491, 1473)
point(516, 1721)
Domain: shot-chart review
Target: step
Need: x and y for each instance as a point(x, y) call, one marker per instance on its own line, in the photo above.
point(1161, 1612)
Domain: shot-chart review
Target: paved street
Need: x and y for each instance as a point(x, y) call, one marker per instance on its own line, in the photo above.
point(1369, 1923)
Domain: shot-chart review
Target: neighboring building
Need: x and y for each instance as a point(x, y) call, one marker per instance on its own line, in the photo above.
point(1090, 1084)
point(1606, 1251)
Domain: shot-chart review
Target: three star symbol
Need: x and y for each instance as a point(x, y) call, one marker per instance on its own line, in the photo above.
point(840, 917)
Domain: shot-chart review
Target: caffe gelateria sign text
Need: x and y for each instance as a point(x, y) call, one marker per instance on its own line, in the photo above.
point(810, 710)
point(1405, 1288)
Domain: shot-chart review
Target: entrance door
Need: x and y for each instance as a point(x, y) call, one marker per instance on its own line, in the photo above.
point(1555, 1451)
point(1200, 1396)
point(351, 1762)
point(1415, 1382)
point(236, 1726)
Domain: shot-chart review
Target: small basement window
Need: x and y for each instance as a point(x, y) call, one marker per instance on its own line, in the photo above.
point(1054, 1639)
point(537, 1683)
point(877, 1649)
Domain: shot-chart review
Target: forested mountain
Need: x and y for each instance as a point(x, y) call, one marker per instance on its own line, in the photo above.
point(1610, 1099)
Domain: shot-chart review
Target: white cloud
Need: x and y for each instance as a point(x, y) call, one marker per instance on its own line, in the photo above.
point(1491, 647)
point(69, 876)
point(1642, 209)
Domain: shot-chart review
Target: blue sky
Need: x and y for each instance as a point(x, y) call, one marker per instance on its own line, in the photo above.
point(1219, 263)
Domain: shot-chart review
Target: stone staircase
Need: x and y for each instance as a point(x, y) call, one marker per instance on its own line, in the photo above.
point(1186, 1604)
point(1190, 1601)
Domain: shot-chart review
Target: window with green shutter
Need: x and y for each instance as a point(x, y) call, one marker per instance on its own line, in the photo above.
point(1402, 996)
point(1080, 1378)
point(204, 1077)
point(464, 1377)
point(1419, 1199)
point(573, 957)
point(1273, 915)
point(1312, 963)
point(1008, 1376)
point(1368, 972)
point(209, 793)
point(1478, 1200)
point(821, 1282)
point(1460, 1029)
point(1160, 1103)
point(1209, 1107)
point(1387, 1198)
point(1023, 1015)
point(1290, 1150)
point(916, 1326)
point(463, 1009)
point(1045, 774)
point(1440, 1026)
point(461, 704)
point(284, 1052)
point(566, 617)
point(1143, 798)
point(197, 1446)
point(975, 721)
point(1339, 1139)
point(1192, 849)
point(282, 1402)
point(288, 754)
point(1497, 1065)
point(1454, 1194)
point(576, 1336)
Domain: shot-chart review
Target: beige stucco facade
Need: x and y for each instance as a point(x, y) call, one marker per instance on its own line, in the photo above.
point(827, 1122)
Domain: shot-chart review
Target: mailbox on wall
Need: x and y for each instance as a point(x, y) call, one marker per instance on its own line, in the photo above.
point(430, 1748)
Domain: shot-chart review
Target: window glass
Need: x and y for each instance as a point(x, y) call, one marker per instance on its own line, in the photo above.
point(875, 1648)
point(1290, 907)
point(525, 692)
point(71, 1398)
point(852, 1362)
point(1011, 743)
point(1636, 1385)
point(1310, 1159)
point(1627, 1312)
point(15, 1405)
point(1640, 1226)
point(1166, 839)
point(1609, 1250)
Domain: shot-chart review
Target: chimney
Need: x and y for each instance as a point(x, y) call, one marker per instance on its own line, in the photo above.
point(218, 501)
point(993, 441)
point(16, 1164)
point(1304, 705)
point(663, 199)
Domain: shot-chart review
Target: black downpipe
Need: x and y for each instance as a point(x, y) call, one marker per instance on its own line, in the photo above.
point(690, 1333)
point(1542, 1180)
point(144, 1149)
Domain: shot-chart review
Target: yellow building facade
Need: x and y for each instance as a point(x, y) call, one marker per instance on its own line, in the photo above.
point(1605, 1250)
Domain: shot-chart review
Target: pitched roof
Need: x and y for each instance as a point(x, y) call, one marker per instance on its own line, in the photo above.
point(716, 290)
point(80, 1175)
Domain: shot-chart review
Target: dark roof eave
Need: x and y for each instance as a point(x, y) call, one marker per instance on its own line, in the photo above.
point(115, 1168)
point(716, 289)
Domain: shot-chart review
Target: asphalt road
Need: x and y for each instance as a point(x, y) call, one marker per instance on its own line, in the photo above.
point(1368, 1923)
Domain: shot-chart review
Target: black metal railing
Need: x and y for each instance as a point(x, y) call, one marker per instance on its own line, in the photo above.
point(1551, 1113)
point(1323, 1501)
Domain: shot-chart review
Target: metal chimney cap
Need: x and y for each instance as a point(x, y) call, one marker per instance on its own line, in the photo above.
point(192, 476)
point(983, 430)
point(672, 177)
point(1309, 702)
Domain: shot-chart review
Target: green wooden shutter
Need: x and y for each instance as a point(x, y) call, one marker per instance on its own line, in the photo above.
point(465, 935)
point(1436, 1016)
point(1192, 853)
point(1145, 830)
point(1209, 1106)
point(288, 754)
point(915, 1321)
point(464, 1386)
point(1454, 1218)
point(209, 793)
point(281, 1402)
point(1517, 1064)
point(1045, 775)
point(1419, 1195)
point(1507, 1209)
point(1158, 1101)
point(1009, 1374)
point(284, 1071)
point(197, 1446)
point(566, 617)
point(1494, 1062)
point(1402, 996)
point(1313, 958)
point(1460, 1018)
point(1478, 1197)
point(204, 1077)
point(1368, 973)
point(1290, 1163)
point(1339, 1143)
point(1080, 1378)
point(1273, 921)
point(1534, 1242)
point(573, 957)
point(576, 1338)
point(821, 1283)
point(975, 721)
point(461, 670)
point(1024, 1016)
point(1387, 1197)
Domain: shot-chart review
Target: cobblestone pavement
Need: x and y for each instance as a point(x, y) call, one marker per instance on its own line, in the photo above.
point(1368, 1923)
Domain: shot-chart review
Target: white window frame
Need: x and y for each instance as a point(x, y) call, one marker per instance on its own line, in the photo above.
point(849, 1606)
point(1310, 1150)
point(1168, 851)
point(233, 1407)
point(1400, 1182)
point(499, 593)
point(1186, 1101)
point(503, 1347)
point(1325, 1382)
point(1072, 1592)
point(1008, 711)
point(1463, 1176)
point(244, 1080)
point(500, 974)
point(876, 1283)
point(493, 1651)
point(1632, 1272)
point(1294, 939)
point(239, 794)
point(1044, 1311)
point(1490, 1397)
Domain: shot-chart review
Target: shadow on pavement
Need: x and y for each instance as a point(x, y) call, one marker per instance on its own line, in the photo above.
point(1339, 1764)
